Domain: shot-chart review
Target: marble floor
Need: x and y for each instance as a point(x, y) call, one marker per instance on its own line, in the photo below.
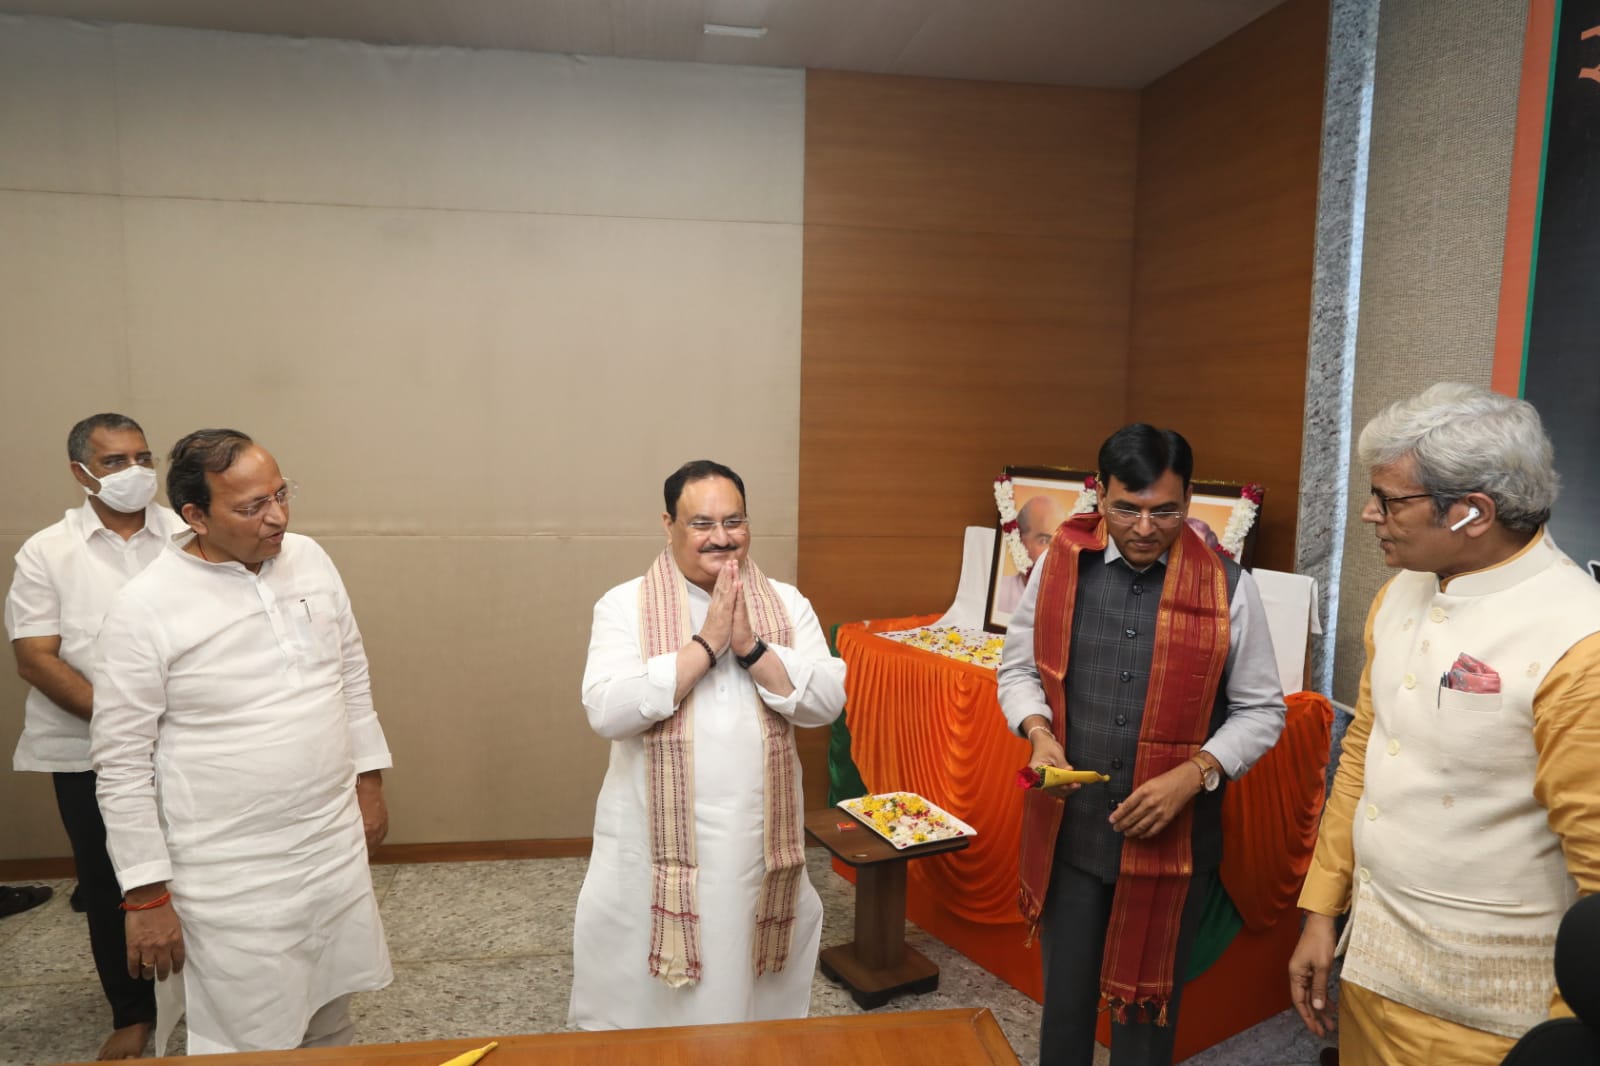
point(485, 948)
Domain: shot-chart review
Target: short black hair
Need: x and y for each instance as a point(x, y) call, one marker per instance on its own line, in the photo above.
point(696, 470)
point(1137, 455)
point(78, 438)
point(201, 452)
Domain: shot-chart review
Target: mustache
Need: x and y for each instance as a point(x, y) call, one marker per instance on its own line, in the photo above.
point(718, 548)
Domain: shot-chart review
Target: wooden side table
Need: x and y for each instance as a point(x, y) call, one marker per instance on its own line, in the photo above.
point(878, 965)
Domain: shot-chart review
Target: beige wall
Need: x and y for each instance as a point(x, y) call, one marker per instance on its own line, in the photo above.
point(479, 304)
point(1443, 115)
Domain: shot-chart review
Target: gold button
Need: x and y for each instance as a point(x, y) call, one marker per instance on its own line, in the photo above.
point(1410, 681)
point(1394, 747)
point(1365, 875)
point(1437, 614)
point(1372, 812)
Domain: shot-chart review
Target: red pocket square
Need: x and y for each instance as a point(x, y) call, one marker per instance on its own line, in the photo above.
point(1472, 675)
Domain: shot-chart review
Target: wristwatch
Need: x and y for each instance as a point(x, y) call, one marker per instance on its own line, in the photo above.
point(747, 661)
point(1209, 778)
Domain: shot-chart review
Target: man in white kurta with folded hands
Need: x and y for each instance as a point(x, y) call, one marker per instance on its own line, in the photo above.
point(697, 908)
point(239, 763)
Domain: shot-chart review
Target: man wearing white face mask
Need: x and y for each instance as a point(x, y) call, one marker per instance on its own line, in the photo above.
point(66, 577)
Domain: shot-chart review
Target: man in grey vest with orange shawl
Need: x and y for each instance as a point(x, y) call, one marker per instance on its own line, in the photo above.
point(696, 908)
point(1140, 653)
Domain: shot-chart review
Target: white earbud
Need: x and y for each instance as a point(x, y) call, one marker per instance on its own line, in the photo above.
point(1472, 512)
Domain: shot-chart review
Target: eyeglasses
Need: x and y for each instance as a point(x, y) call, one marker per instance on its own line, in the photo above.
point(735, 524)
point(1127, 516)
point(114, 463)
point(1385, 501)
point(282, 497)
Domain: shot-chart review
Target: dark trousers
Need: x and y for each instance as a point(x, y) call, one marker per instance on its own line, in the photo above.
point(132, 1000)
point(1077, 910)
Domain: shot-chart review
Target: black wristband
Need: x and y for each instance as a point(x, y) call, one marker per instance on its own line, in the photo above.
point(698, 639)
point(747, 661)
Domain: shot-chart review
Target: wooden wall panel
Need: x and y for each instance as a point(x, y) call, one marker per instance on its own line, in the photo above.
point(1229, 146)
point(932, 359)
point(966, 287)
point(947, 156)
point(965, 305)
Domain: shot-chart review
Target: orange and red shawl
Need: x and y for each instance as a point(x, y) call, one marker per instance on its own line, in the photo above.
point(1191, 650)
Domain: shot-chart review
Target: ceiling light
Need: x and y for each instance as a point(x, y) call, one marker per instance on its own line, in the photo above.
point(717, 29)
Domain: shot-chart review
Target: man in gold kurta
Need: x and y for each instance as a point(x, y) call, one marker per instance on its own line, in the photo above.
point(1465, 816)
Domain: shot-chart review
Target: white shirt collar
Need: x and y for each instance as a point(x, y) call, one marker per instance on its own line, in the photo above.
point(89, 522)
point(180, 541)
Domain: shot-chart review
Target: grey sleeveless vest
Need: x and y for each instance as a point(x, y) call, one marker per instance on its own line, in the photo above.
point(1108, 675)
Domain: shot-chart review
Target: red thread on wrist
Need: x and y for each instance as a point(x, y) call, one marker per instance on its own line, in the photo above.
point(160, 901)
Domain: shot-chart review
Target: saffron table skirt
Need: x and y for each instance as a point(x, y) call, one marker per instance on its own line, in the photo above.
point(924, 723)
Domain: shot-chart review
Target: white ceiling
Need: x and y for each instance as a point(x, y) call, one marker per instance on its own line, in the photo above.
point(1105, 43)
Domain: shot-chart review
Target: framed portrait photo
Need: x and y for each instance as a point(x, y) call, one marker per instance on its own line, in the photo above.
point(1225, 514)
point(1042, 497)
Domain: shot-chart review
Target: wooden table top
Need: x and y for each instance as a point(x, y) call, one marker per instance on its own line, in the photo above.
point(969, 1037)
point(860, 846)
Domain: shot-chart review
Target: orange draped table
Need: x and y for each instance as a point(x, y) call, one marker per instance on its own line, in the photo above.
point(924, 723)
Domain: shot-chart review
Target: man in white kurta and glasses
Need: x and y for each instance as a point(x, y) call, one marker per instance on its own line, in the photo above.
point(697, 908)
point(239, 763)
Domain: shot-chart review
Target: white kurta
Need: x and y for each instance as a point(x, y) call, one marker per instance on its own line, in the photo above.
point(232, 712)
point(624, 695)
point(66, 576)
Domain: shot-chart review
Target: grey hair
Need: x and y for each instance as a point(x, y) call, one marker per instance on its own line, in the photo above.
point(78, 438)
point(1468, 439)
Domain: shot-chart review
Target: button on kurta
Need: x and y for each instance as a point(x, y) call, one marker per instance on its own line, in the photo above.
point(1409, 681)
point(1372, 812)
point(1437, 614)
point(1365, 875)
point(1393, 747)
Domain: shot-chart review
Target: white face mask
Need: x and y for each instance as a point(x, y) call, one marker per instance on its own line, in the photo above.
point(129, 490)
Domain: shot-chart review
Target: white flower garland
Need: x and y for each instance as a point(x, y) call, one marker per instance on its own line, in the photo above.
point(1088, 499)
point(1241, 520)
point(1005, 499)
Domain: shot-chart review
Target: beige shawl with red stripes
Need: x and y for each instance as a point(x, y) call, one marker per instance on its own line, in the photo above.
point(669, 752)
